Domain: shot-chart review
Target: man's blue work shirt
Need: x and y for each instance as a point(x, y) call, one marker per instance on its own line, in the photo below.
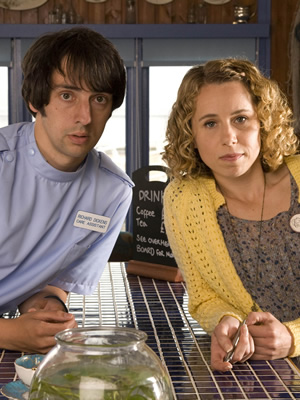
point(56, 227)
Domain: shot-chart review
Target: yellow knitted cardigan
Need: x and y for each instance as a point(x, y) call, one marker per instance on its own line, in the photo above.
point(197, 242)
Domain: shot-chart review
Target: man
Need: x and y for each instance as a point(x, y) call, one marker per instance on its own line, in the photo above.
point(62, 204)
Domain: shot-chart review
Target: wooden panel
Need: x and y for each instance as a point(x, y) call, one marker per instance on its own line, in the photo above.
point(146, 12)
point(81, 8)
point(12, 17)
point(43, 11)
point(96, 13)
point(283, 13)
point(114, 11)
point(164, 14)
point(29, 15)
point(179, 13)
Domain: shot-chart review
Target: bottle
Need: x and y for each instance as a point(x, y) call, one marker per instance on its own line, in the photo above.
point(191, 17)
point(71, 15)
point(64, 18)
point(201, 12)
point(57, 13)
point(130, 12)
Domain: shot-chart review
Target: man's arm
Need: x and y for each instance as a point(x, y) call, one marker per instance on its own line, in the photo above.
point(46, 299)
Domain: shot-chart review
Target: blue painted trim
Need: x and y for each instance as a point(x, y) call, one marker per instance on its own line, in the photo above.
point(264, 11)
point(146, 30)
point(144, 108)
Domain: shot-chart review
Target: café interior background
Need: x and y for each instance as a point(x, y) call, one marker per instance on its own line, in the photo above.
point(175, 12)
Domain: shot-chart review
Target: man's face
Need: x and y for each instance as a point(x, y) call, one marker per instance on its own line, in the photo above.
point(71, 124)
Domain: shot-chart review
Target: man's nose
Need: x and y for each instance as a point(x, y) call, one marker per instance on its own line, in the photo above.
point(83, 112)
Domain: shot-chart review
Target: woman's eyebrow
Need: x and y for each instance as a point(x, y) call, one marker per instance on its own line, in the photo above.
point(207, 116)
point(211, 115)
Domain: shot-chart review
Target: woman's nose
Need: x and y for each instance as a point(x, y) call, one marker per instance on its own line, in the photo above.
point(229, 135)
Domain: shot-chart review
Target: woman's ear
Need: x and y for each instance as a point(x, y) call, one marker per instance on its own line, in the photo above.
point(195, 143)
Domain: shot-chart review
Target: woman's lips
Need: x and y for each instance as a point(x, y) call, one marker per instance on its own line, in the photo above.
point(231, 157)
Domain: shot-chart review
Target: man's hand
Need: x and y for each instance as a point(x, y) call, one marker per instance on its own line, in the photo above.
point(39, 301)
point(272, 339)
point(42, 318)
point(34, 331)
point(47, 304)
point(221, 343)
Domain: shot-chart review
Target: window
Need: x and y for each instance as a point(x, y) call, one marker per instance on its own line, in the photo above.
point(163, 86)
point(113, 139)
point(4, 96)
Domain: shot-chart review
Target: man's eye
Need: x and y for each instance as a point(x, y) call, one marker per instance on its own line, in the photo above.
point(66, 96)
point(100, 99)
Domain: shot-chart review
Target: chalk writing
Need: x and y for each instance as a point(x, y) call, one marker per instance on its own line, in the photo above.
point(150, 239)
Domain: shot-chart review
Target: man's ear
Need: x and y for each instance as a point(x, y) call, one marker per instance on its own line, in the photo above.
point(33, 109)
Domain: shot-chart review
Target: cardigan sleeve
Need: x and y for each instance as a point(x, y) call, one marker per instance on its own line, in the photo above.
point(293, 164)
point(294, 328)
point(209, 298)
point(213, 285)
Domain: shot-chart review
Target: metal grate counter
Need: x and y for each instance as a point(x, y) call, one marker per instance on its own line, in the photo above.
point(160, 309)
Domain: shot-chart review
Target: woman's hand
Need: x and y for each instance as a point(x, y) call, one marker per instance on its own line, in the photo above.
point(272, 339)
point(221, 344)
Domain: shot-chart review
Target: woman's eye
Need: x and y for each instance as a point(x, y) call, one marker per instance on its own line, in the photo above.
point(240, 119)
point(210, 124)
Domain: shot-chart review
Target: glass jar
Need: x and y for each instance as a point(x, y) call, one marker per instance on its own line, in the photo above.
point(130, 12)
point(103, 363)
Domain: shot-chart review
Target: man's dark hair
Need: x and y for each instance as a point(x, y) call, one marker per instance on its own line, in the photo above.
point(85, 56)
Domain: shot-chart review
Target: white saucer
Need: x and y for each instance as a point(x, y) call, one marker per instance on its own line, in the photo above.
point(217, 2)
point(95, 1)
point(159, 2)
point(21, 4)
point(15, 391)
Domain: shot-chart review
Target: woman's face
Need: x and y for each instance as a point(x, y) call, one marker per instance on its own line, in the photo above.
point(226, 129)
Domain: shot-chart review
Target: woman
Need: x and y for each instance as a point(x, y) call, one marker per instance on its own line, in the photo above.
point(231, 209)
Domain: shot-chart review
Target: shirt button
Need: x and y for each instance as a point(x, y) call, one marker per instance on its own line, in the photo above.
point(9, 157)
point(31, 152)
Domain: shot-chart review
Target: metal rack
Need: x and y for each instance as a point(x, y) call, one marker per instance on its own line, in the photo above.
point(160, 309)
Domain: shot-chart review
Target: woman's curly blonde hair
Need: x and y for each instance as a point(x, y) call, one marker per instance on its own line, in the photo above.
point(278, 139)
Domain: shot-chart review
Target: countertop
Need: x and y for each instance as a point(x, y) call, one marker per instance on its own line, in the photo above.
point(160, 309)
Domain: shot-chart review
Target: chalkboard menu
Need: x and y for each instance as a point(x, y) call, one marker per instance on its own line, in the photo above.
point(150, 239)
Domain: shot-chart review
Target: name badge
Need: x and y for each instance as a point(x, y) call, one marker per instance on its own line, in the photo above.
point(93, 222)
